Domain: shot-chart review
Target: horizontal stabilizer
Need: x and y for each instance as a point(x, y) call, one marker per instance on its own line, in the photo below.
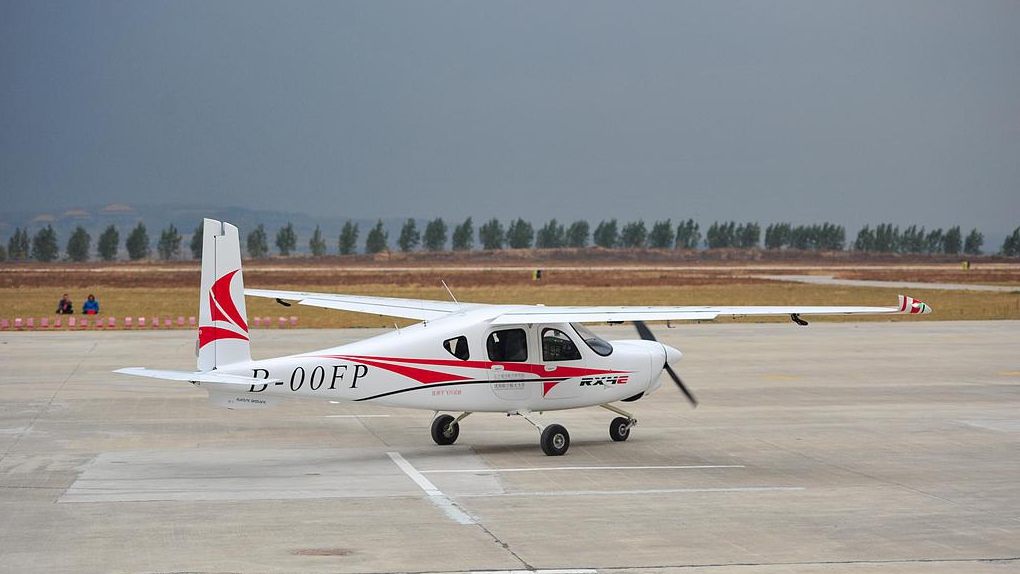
point(206, 377)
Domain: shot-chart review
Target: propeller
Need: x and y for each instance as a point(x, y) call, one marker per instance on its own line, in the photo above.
point(645, 333)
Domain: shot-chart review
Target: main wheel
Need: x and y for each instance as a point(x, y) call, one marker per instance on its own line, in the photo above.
point(619, 429)
point(444, 430)
point(555, 440)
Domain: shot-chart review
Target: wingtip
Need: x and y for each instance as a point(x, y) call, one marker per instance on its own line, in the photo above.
point(910, 306)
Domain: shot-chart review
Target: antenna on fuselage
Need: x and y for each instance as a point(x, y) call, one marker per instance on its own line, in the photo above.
point(447, 287)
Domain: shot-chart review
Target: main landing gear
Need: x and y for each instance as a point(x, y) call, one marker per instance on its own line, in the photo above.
point(446, 429)
point(555, 440)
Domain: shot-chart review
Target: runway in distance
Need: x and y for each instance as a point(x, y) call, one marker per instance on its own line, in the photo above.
point(461, 358)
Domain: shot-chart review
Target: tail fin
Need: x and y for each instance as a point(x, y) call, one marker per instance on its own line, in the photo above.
point(223, 319)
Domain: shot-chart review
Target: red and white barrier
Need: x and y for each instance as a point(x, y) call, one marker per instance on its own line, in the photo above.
point(47, 323)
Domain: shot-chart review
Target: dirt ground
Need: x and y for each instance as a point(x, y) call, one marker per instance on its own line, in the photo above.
point(170, 289)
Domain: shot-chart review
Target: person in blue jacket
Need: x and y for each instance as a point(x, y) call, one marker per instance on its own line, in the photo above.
point(91, 306)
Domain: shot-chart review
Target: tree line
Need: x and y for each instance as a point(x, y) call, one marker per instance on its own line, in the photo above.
point(519, 234)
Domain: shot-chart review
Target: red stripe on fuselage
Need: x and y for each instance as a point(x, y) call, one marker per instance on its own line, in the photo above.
point(532, 368)
point(423, 376)
point(427, 376)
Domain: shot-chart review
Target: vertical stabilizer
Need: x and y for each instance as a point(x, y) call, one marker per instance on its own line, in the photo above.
point(223, 319)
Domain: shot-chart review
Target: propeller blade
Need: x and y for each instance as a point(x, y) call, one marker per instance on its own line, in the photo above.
point(643, 331)
point(680, 383)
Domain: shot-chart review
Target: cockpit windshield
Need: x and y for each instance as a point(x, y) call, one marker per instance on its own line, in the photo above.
point(594, 342)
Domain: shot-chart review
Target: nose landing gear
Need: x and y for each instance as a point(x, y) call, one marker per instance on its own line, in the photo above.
point(619, 429)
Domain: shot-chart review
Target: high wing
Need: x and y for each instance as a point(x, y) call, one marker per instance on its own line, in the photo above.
point(426, 310)
point(539, 314)
point(420, 309)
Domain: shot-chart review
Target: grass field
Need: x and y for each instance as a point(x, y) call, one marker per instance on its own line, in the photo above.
point(172, 291)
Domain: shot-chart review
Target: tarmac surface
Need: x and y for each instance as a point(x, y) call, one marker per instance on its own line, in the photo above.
point(833, 448)
point(830, 280)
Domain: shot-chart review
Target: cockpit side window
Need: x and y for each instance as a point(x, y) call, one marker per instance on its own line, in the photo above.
point(509, 345)
point(458, 347)
point(557, 346)
point(594, 342)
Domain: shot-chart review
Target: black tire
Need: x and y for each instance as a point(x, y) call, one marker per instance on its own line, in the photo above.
point(555, 440)
point(619, 429)
point(443, 432)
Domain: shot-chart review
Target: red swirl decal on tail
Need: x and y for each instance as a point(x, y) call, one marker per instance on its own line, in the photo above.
point(222, 305)
point(223, 309)
point(207, 335)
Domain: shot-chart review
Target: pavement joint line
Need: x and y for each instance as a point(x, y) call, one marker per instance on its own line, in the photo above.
point(49, 402)
point(585, 468)
point(707, 490)
point(452, 511)
point(356, 416)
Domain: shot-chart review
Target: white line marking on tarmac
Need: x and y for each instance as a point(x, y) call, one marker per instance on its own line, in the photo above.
point(551, 468)
point(356, 416)
point(452, 511)
point(557, 571)
point(638, 492)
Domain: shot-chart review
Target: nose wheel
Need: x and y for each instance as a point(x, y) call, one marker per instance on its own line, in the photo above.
point(619, 429)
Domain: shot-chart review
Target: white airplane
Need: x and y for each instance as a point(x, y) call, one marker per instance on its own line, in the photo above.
point(461, 357)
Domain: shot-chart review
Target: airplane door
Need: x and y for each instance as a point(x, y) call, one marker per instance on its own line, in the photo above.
point(559, 355)
point(509, 374)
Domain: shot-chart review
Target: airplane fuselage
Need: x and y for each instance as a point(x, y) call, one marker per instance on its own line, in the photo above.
point(456, 364)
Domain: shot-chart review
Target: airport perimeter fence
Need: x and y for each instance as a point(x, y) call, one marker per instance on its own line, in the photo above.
point(71, 323)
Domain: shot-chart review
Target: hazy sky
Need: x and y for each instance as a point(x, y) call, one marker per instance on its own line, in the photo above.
point(802, 111)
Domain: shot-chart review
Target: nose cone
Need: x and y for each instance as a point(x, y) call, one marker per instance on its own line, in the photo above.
point(672, 355)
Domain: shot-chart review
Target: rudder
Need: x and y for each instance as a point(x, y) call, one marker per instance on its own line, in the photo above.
point(223, 318)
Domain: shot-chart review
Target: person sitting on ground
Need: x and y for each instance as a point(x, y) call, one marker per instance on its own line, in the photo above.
point(91, 306)
point(65, 307)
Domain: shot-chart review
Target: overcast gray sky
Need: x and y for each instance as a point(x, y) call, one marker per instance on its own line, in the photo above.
point(803, 111)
